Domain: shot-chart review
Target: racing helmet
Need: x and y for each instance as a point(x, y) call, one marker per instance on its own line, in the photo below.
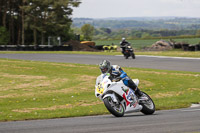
point(123, 39)
point(105, 66)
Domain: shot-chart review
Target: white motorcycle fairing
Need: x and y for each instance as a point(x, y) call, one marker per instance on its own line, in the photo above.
point(106, 88)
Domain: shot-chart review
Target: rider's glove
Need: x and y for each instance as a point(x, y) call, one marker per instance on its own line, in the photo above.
point(116, 79)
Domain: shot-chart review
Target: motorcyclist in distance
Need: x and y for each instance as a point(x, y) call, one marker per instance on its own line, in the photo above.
point(124, 44)
point(116, 72)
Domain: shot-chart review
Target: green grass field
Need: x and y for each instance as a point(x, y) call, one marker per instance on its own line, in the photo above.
point(193, 54)
point(42, 90)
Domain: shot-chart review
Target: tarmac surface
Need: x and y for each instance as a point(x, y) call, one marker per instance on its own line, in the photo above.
point(167, 121)
point(154, 62)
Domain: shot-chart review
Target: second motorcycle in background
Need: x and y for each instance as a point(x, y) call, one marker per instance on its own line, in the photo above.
point(126, 48)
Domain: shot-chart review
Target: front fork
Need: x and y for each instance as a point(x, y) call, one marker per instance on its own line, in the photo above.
point(116, 100)
point(113, 97)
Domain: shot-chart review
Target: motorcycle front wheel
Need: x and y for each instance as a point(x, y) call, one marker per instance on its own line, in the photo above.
point(133, 55)
point(115, 109)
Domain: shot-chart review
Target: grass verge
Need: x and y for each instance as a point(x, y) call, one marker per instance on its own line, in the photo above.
point(193, 54)
point(42, 90)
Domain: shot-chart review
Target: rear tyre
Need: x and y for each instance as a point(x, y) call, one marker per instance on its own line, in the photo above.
point(115, 109)
point(148, 106)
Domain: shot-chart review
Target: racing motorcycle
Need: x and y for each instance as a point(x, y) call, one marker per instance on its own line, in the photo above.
point(120, 99)
point(128, 51)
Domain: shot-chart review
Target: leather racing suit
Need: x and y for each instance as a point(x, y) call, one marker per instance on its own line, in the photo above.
point(117, 72)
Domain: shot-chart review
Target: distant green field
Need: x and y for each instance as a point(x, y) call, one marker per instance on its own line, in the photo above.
point(147, 42)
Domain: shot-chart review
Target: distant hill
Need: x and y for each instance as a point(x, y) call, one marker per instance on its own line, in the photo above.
point(175, 23)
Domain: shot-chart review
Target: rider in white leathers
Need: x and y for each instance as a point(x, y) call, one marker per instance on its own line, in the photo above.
point(116, 72)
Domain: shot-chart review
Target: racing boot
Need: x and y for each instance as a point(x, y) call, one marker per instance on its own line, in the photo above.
point(138, 92)
point(140, 95)
point(134, 87)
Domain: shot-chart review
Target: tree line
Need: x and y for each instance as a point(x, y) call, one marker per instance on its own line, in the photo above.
point(25, 22)
point(139, 28)
point(88, 31)
point(174, 23)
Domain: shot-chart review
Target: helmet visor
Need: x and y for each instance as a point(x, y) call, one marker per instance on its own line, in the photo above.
point(104, 70)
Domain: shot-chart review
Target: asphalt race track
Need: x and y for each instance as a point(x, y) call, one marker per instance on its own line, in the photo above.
point(171, 121)
point(167, 121)
point(165, 63)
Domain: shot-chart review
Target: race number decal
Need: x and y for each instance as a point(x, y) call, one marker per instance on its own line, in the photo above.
point(100, 89)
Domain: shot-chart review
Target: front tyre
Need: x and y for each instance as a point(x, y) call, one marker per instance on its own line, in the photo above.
point(115, 109)
point(148, 106)
point(133, 55)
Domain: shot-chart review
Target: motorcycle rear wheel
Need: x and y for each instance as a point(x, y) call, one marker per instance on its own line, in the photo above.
point(148, 107)
point(115, 109)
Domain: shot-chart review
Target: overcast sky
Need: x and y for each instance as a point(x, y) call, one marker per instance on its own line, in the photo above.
point(137, 8)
